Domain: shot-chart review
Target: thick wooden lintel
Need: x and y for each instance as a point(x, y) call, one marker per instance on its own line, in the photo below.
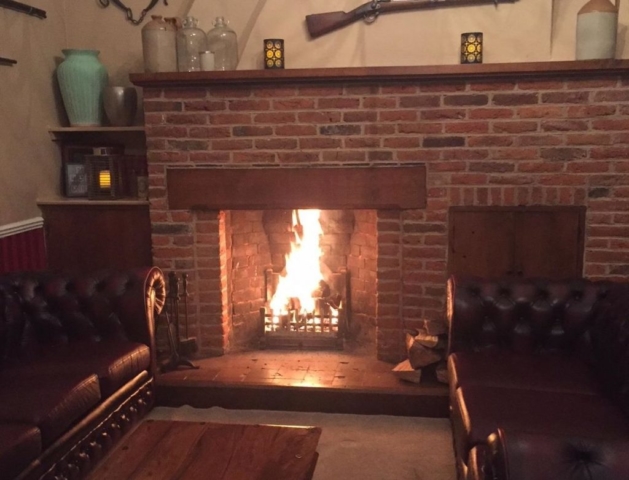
point(288, 188)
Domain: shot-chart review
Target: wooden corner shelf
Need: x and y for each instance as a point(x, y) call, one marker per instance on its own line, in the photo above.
point(60, 133)
point(111, 233)
point(84, 202)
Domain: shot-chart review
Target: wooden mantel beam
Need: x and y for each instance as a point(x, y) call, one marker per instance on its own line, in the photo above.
point(287, 188)
point(488, 71)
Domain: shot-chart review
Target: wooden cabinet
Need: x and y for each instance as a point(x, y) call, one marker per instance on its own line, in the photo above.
point(523, 241)
point(84, 236)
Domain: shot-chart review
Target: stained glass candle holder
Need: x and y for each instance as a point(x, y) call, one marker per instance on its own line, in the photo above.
point(274, 53)
point(472, 47)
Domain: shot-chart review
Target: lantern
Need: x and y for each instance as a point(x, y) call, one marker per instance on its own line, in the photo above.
point(274, 53)
point(472, 47)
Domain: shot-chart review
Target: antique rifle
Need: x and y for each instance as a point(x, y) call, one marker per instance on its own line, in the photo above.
point(322, 23)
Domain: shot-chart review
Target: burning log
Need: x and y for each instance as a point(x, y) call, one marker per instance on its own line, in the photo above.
point(323, 290)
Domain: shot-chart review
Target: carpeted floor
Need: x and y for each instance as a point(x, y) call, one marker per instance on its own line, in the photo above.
point(354, 447)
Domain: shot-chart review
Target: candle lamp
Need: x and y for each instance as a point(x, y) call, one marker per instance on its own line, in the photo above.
point(104, 179)
point(472, 47)
point(274, 53)
point(106, 176)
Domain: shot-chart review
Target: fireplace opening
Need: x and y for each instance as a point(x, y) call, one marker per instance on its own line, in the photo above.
point(302, 279)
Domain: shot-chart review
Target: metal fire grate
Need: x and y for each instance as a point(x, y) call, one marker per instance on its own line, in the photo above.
point(325, 327)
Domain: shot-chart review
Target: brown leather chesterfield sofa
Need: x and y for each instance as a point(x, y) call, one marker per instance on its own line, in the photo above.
point(539, 379)
point(77, 362)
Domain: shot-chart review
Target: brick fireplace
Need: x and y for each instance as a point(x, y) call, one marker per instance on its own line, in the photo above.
point(488, 135)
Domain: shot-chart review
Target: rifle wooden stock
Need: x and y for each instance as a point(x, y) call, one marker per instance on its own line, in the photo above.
point(321, 23)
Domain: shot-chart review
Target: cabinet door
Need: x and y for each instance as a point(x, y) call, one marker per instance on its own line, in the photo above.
point(549, 243)
point(86, 238)
point(481, 242)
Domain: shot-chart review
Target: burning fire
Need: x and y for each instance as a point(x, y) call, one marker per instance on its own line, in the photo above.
point(303, 302)
point(303, 272)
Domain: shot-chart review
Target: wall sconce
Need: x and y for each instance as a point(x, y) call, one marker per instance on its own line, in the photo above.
point(472, 47)
point(274, 53)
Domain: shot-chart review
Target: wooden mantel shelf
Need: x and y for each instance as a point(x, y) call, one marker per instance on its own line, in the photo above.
point(586, 68)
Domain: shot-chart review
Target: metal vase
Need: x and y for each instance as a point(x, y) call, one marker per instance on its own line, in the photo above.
point(120, 105)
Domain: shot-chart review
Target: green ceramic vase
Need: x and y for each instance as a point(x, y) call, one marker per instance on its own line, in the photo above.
point(81, 80)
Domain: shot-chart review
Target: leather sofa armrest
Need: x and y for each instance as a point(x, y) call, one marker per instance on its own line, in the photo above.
point(525, 456)
point(479, 464)
point(141, 325)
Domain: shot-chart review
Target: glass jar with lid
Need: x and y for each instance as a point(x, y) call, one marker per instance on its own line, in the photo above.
point(223, 43)
point(191, 40)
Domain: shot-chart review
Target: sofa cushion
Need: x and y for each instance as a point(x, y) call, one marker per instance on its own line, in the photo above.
point(53, 403)
point(526, 315)
point(482, 410)
point(20, 444)
point(557, 373)
point(610, 338)
point(114, 362)
point(525, 456)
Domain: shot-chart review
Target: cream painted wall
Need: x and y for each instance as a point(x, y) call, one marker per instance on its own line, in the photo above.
point(29, 163)
point(518, 32)
point(523, 31)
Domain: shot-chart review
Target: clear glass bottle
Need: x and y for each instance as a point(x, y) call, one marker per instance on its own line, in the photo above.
point(223, 42)
point(191, 40)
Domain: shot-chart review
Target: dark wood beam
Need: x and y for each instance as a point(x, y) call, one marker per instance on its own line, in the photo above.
point(288, 188)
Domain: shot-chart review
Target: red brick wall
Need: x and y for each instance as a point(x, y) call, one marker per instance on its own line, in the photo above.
point(541, 142)
point(362, 266)
point(251, 256)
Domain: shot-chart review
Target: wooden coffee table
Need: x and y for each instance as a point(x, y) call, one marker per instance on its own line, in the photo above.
point(165, 450)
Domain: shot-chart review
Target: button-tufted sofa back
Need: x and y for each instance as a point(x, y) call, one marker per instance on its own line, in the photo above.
point(522, 315)
point(610, 340)
point(41, 309)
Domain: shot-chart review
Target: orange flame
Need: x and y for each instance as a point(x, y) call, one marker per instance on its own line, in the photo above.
point(303, 272)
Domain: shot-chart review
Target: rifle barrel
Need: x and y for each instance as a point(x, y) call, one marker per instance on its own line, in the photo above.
point(321, 23)
point(402, 6)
